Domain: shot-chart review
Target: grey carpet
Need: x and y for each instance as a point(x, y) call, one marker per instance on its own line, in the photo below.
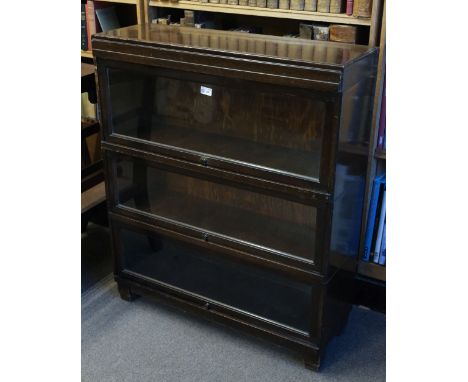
point(146, 341)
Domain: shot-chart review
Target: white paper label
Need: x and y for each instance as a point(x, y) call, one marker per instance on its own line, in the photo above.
point(206, 91)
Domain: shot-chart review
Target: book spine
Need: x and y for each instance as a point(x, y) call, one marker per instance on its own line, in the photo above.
point(272, 4)
point(252, 3)
point(91, 17)
point(84, 31)
point(349, 7)
point(297, 5)
point(283, 4)
point(371, 220)
point(363, 8)
point(383, 247)
point(336, 6)
point(343, 33)
point(243, 3)
point(323, 6)
point(261, 3)
point(310, 5)
point(378, 242)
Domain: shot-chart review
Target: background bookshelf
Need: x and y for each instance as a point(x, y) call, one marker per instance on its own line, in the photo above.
point(376, 159)
point(129, 12)
point(369, 28)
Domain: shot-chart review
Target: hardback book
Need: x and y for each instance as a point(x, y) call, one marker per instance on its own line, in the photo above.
point(337, 6)
point(323, 6)
point(204, 1)
point(362, 8)
point(349, 7)
point(371, 216)
point(378, 241)
point(343, 33)
point(84, 31)
point(383, 247)
point(283, 4)
point(310, 5)
point(243, 2)
point(214, 1)
point(107, 17)
point(382, 120)
point(297, 5)
point(306, 31)
point(252, 3)
point(321, 33)
point(271, 48)
point(260, 46)
point(223, 1)
point(233, 2)
point(90, 21)
point(261, 3)
point(282, 48)
point(272, 4)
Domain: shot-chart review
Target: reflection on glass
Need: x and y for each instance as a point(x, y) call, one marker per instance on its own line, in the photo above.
point(252, 217)
point(225, 118)
point(209, 275)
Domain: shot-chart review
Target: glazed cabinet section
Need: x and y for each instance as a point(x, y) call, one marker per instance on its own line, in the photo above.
point(271, 132)
point(251, 221)
point(215, 281)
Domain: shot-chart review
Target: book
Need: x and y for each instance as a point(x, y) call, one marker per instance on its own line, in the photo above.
point(283, 4)
point(349, 7)
point(378, 241)
point(371, 217)
point(383, 247)
point(343, 33)
point(321, 33)
point(243, 3)
point(261, 3)
point(252, 3)
point(272, 4)
point(336, 6)
point(362, 8)
point(84, 30)
point(306, 31)
point(310, 5)
point(323, 6)
point(90, 21)
point(107, 18)
point(382, 119)
point(297, 5)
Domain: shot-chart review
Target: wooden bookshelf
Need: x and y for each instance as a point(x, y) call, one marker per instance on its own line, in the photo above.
point(140, 11)
point(373, 271)
point(340, 18)
point(380, 154)
point(376, 158)
point(87, 53)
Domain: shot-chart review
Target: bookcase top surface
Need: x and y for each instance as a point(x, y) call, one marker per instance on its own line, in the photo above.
point(249, 44)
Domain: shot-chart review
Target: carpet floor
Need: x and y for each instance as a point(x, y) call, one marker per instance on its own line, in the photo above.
point(145, 341)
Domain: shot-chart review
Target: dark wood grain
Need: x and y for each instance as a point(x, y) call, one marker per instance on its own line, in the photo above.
point(217, 199)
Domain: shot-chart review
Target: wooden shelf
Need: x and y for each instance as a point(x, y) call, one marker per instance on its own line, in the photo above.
point(87, 53)
point(340, 18)
point(92, 197)
point(374, 271)
point(121, 1)
point(380, 154)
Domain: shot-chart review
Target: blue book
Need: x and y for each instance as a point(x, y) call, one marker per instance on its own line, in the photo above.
point(383, 248)
point(371, 218)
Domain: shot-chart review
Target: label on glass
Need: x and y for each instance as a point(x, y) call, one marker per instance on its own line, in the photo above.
point(206, 91)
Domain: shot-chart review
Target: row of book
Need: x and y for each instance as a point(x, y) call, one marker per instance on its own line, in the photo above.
point(357, 8)
point(246, 42)
point(96, 16)
point(375, 248)
point(382, 135)
point(333, 32)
